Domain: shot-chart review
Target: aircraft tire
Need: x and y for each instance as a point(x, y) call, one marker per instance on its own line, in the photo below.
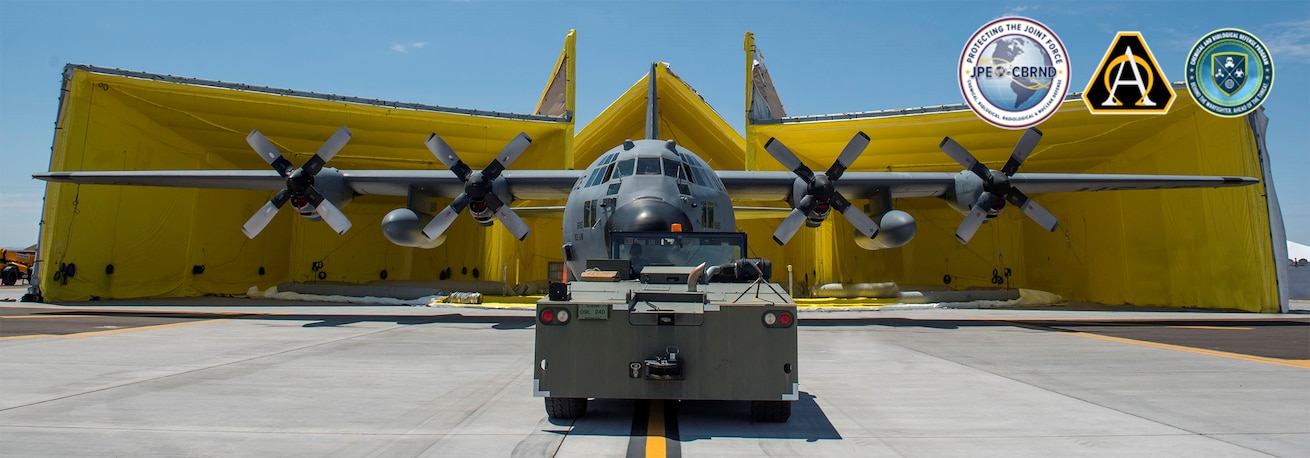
point(770, 411)
point(566, 408)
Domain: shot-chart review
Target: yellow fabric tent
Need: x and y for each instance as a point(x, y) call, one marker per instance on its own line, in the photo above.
point(1183, 248)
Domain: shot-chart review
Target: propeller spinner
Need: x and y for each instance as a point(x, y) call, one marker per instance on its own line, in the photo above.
point(300, 188)
point(996, 186)
point(478, 192)
point(821, 191)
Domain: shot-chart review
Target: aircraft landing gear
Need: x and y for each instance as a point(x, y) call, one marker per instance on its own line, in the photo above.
point(565, 408)
point(770, 411)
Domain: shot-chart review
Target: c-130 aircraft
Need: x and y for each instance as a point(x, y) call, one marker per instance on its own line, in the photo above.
point(662, 197)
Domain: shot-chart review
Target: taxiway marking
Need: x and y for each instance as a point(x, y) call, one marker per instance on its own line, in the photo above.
point(78, 335)
point(655, 441)
point(1302, 364)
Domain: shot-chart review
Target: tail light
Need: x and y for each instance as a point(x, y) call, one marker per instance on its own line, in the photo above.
point(778, 319)
point(555, 316)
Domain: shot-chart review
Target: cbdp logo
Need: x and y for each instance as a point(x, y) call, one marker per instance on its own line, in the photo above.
point(1014, 72)
point(1229, 72)
point(1128, 81)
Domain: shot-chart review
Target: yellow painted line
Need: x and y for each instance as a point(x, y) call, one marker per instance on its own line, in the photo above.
point(112, 331)
point(1222, 328)
point(1201, 351)
point(655, 446)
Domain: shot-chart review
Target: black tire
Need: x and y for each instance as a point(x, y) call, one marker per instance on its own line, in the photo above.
point(9, 276)
point(770, 411)
point(566, 408)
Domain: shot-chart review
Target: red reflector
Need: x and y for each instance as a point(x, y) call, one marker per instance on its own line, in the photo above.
point(784, 319)
point(548, 316)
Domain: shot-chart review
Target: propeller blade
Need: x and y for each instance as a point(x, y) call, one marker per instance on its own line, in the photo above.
point(794, 219)
point(788, 159)
point(260, 220)
point(268, 152)
point(447, 156)
point(326, 152)
point(326, 210)
point(789, 226)
point(443, 220)
point(975, 218)
point(507, 156)
point(855, 216)
point(332, 216)
point(848, 155)
point(1033, 210)
point(961, 155)
point(506, 215)
point(1022, 150)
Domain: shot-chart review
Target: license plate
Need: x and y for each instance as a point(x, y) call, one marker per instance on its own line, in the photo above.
point(593, 311)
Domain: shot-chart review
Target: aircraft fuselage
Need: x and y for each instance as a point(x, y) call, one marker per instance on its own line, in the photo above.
point(642, 185)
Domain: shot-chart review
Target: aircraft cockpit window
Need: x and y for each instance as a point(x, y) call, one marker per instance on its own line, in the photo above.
point(686, 174)
point(609, 173)
point(701, 179)
point(596, 176)
point(648, 166)
point(624, 168)
point(609, 158)
point(671, 167)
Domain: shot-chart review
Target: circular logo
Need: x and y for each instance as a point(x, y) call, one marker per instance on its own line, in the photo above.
point(1014, 72)
point(1229, 72)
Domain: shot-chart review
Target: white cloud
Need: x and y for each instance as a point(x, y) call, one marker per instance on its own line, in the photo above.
point(1289, 42)
point(402, 48)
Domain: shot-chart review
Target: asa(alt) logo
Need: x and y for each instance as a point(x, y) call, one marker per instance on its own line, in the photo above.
point(1230, 72)
point(1128, 81)
point(1014, 72)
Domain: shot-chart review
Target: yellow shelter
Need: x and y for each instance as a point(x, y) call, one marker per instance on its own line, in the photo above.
point(1183, 248)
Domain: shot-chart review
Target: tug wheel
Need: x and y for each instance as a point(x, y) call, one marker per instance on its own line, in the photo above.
point(566, 408)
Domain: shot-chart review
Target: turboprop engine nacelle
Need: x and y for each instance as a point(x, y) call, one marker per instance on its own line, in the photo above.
point(332, 186)
point(896, 229)
point(403, 227)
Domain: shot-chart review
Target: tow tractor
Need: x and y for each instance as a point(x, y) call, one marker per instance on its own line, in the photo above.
point(690, 318)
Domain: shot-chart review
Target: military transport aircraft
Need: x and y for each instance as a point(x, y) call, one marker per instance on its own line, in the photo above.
point(641, 185)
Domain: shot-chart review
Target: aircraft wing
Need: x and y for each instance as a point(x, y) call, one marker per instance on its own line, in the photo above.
point(1067, 182)
point(773, 186)
point(523, 184)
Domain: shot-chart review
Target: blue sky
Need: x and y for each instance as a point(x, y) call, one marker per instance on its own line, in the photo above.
point(825, 57)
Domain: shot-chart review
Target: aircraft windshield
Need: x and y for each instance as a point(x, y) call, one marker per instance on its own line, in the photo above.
point(677, 248)
point(648, 166)
point(625, 168)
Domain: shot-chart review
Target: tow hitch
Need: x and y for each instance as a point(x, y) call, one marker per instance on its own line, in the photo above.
point(664, 367)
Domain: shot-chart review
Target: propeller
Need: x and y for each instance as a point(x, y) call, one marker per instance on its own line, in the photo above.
point(821, 191)
point(300, 188)
point(478, 192)
point(996, 186)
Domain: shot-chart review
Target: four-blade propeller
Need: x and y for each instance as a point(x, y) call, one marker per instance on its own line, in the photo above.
point(996, 186)
point(300, 188)
point(478, 193)
point(821, 191)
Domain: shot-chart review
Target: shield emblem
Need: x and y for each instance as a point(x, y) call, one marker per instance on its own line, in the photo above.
point(1228, 71)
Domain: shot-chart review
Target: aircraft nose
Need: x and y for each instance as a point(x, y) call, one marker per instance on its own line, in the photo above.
point(646, 215)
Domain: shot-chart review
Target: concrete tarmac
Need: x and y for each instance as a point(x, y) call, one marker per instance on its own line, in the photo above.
point(237, 377)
